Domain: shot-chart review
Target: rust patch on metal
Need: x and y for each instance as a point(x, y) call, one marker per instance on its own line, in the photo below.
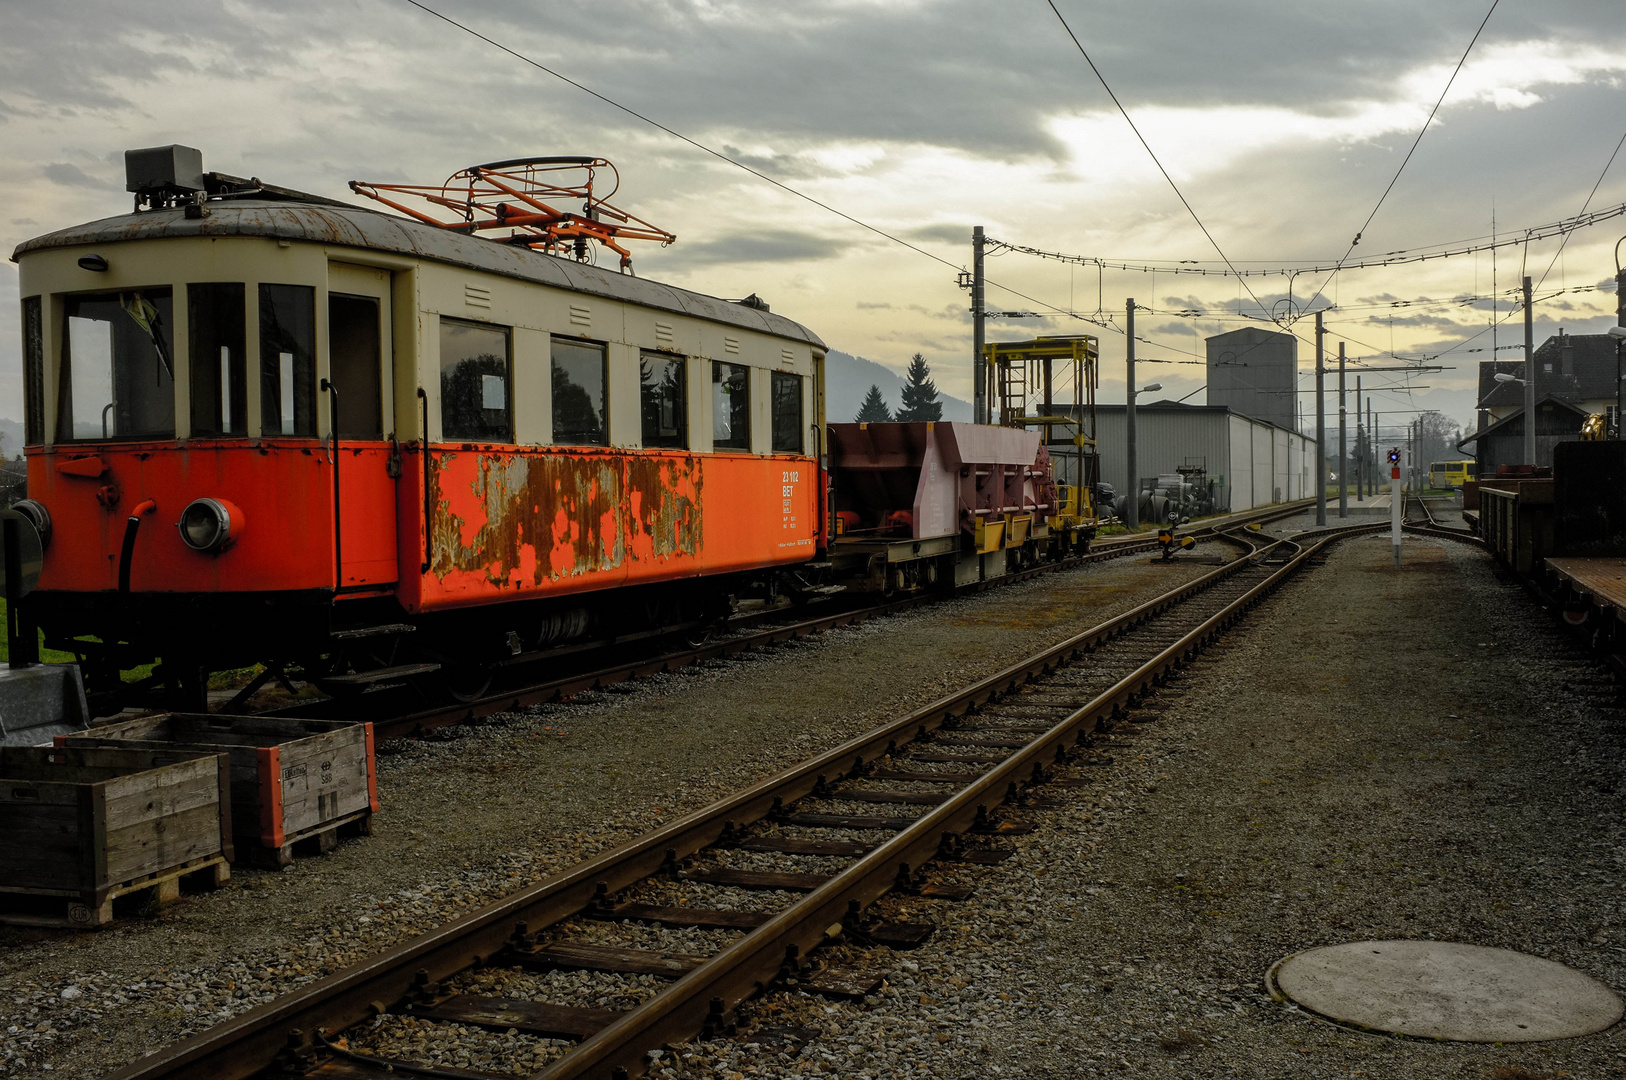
point(521, 520)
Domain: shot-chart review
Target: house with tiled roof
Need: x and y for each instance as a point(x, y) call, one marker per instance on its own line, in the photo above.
point(1576, 375)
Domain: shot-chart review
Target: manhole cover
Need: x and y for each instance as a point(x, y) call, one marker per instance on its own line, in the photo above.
point(1445, 990)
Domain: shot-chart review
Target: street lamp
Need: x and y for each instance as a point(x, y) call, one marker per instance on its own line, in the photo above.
point(1159, 386)
point(1502, 376)
point(1619, 334)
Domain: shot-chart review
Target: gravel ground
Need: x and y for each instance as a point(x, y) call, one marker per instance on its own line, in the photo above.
point(483, 811)
point(1372, 754)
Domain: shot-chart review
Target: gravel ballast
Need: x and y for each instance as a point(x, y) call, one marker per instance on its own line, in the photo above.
point(1372, 754)
point(480, 812)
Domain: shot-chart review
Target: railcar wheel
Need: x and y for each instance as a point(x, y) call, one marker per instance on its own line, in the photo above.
point(465, 682)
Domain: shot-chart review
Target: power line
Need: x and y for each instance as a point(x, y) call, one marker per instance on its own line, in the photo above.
point(1394, 258)
point(1148, 146)
point(676, 134)
point(1515, 310)
point(719, 155)
point(1415, 143)
point(1584, 205)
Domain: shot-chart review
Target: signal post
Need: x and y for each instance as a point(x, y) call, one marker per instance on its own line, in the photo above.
point(1397, 499)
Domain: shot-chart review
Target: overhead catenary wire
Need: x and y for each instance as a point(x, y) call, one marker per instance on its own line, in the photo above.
point(1402, 257)
point(1584, 205)
point(720, 155)
point(1491, 329)
point(1415, 144)
point(1148, 146)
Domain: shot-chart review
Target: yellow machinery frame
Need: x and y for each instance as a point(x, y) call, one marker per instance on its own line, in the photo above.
point(1020, 370)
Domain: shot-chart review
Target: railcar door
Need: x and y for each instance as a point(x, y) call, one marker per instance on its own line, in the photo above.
point(361, 419)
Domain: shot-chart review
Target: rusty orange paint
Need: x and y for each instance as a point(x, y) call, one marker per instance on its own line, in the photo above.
point(518, 522)
point(508, 522)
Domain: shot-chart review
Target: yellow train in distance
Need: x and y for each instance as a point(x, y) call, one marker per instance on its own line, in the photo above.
point(1450, 474)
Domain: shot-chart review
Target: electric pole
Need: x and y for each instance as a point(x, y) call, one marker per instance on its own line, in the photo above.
point(1371, 445)
point(979, 370)
point(1529, 378)
point(1320, 425)
point(1343, 451)
point(1620, 320)
point(1361, 435)
point(1132, 481)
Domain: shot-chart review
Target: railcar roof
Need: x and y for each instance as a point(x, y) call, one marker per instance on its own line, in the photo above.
point(359, 227)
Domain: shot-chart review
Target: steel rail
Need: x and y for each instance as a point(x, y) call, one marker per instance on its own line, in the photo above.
point(751, 964)
point(1434, 528)
point(246, 1045)
point(511, 700)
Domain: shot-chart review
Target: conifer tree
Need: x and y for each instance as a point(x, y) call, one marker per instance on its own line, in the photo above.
point(919, 399)
point(874, 409)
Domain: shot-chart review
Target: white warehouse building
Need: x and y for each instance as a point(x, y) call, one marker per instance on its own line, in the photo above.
point(1254, 463)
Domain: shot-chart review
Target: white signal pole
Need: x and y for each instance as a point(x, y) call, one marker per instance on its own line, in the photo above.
point(1397, 497)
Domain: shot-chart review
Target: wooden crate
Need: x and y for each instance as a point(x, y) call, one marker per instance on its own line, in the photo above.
point(295, 783)
point(81, 826)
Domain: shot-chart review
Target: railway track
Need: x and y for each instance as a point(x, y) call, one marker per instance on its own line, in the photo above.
point(1431, 525)
point(939, 785)
point(404, 714)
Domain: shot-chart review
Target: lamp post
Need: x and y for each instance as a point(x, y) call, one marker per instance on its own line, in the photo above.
point(1529, 378)
point(1131, 481)
point(1134, 481)
point(1619, 334)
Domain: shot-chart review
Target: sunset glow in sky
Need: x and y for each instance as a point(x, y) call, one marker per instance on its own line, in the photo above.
point(1282, 125)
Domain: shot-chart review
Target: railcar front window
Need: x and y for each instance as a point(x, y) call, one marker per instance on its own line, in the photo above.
point(730, 406)
point(218, 366)
point(474, 381)
point(787, 413)
point(287, 361)
point(579, 417)
point(33, 372)
point(663, 400)
point(118, 370)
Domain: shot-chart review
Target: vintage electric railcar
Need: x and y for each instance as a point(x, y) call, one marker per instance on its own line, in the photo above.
point(267, 427)
point(264, 426)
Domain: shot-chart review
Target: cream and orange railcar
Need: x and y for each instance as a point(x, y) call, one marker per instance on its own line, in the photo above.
point(262, 423)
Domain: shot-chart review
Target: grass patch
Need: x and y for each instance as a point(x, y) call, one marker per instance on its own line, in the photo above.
point(57, 656)
point(50, 656)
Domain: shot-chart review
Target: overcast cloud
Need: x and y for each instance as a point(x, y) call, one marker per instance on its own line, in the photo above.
point(1282, 124)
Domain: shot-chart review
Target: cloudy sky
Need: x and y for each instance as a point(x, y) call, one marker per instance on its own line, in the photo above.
point(1282, 124)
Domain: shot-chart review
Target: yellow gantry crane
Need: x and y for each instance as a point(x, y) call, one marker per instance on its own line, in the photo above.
point(1059, 374)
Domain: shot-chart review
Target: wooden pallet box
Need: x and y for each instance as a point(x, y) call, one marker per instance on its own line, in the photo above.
point(83, 825)
point(294, 782)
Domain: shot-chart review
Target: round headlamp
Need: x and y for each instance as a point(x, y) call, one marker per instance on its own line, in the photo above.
point(210, 524)
point(37, 516)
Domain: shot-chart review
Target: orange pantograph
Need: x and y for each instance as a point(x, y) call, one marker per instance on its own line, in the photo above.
point(523, 196)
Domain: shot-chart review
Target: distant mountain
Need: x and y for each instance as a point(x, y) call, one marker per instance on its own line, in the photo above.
point(847, 378)
point(11, 438)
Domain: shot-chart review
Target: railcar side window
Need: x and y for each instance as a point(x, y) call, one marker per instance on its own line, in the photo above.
point(579, 415)
point(118, 373)
point(287, 361)
point(216, 359)
point(474, 382)
point(787, 413)
point(662, 398)
point(33, 372)
point(730, 406)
